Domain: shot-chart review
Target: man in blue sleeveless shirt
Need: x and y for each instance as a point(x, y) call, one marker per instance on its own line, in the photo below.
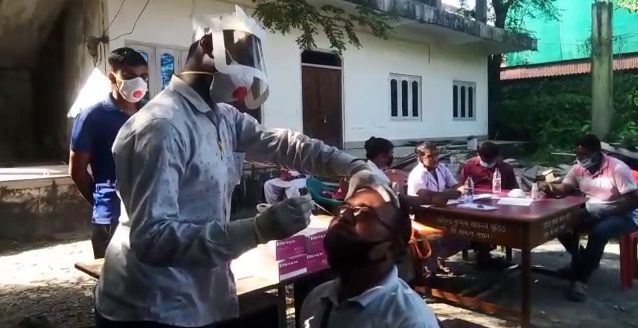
point(92, 137)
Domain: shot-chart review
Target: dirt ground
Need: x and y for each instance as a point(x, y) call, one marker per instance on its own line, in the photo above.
point(40, 280)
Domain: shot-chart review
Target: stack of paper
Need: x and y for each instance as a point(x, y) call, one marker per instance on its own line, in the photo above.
point(515, 201)
point(483, 196)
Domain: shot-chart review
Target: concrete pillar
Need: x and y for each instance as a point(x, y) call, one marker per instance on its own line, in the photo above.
point(602, 68)
point(481, 10)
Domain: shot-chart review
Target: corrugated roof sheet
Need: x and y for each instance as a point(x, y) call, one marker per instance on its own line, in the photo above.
point(563, 68)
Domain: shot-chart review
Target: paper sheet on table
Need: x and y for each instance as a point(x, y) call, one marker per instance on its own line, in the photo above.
point(479, 207)
point(244, 266)
point(515, 201)
point(449, 202)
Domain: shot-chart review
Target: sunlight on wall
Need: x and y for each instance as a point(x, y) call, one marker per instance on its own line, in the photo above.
point(471, 4)
point(457, 3)
point(94, 89)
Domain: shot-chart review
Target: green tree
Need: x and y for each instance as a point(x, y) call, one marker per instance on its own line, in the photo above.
point(510, 14)
point(631, 5)
point(339, 26)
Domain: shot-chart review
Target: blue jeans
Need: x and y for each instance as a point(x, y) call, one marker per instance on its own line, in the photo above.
point(600, 230)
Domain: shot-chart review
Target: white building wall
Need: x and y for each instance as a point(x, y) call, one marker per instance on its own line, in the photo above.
point(366, 70)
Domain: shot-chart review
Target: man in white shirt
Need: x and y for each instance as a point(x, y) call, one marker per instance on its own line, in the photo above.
point(429, 178)
point(433, 182)
point(288, 184)
point(363, 244)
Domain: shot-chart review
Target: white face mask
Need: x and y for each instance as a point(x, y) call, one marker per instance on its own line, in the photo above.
point(226, 88)
point(229, 87)
point(237, 51)
point(133, 90)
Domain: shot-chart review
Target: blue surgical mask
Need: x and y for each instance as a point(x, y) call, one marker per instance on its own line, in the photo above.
point(487, 165)
point(587, 163)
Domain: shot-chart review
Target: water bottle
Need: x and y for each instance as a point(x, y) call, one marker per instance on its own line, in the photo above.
point(535, 191)
point(396, 188)
point(469, 190)
point(496, 182)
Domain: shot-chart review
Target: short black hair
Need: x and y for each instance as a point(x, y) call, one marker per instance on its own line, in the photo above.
point(590, 142)
point(489, 150)
point(192, 50)
point(425, 147)
point(126, 56)
point(377, 146)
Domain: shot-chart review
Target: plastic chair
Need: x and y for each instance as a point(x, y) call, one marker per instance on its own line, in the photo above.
point(628, 259)
point(316, 187)
point(399, 177)
point(629, 255)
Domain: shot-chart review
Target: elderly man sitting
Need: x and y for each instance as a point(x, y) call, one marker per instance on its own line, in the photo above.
point(287, 184)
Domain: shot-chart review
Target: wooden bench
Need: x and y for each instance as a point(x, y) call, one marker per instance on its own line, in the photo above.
point(253, 292)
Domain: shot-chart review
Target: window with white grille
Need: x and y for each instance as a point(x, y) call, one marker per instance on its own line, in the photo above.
point(463, 101)
point(405, 97)
point(163, 62)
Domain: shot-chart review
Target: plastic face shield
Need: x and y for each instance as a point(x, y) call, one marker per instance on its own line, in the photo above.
point(237, 51)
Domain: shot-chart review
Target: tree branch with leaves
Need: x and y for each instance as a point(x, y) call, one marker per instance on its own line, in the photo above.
point(339, 26)
point(630, 5)
point(511, 15)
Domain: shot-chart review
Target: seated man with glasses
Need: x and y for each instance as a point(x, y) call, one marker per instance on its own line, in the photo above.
point(363, 244)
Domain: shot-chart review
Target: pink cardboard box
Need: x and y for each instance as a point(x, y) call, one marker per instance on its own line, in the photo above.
point(293, 267)
point(315, 242)
point(317, 262)
point(309, 240)
point(290, 247)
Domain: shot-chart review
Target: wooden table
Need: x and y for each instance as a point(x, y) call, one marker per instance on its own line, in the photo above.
point(521, 227)
point(244, 286)
point(251, 287)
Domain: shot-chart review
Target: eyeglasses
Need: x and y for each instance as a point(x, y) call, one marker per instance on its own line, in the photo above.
point(353, 214)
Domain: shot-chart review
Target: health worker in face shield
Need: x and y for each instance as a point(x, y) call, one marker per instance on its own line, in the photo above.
point(168, 263)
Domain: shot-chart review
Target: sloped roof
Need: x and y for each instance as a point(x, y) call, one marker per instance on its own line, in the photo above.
point(582, 66)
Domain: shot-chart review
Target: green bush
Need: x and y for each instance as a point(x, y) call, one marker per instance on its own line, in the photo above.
point(551, 113)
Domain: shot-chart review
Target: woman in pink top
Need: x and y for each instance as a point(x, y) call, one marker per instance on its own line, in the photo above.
point(612, 209)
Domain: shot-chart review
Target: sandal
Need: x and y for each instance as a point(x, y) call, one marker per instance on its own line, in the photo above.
point(577, 291)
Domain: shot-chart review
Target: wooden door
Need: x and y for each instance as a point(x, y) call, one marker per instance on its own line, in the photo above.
point(322, 104)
